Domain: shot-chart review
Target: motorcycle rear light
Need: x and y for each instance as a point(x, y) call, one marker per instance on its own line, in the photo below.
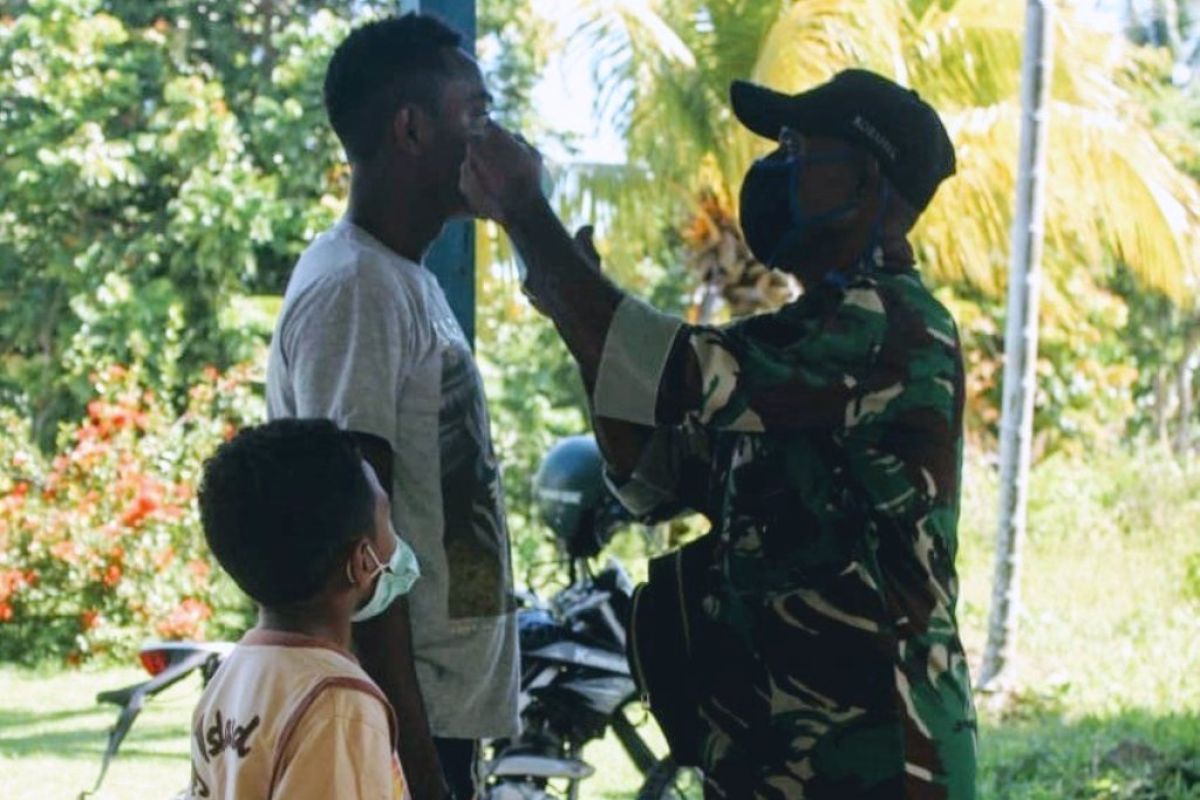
point(155, 661)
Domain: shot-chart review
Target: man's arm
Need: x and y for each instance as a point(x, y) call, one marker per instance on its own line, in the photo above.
point(649, 368)
point(384, 647)
point(501, 177)
point(656, 472)
point(621, 442)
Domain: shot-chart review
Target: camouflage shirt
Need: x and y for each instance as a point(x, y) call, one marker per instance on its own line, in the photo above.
point(824, 442)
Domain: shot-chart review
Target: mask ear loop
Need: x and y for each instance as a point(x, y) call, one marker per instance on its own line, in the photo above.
point(793, 165)
point(380, 567)
point(875, 246)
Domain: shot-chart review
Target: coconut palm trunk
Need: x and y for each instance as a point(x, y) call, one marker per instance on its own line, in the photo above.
point(1020, 344)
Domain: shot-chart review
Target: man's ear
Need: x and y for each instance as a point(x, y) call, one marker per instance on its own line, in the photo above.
point(412, 129)
point(359, 564)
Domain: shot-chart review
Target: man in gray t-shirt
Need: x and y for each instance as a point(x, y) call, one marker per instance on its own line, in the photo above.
point(367, 339)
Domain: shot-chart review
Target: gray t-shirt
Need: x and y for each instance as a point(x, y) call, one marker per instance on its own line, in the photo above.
point(367, 339)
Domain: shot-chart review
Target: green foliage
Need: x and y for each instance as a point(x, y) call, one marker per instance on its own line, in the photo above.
point(130, 209)
point(164, 160)
point(100, 546)
point(1132, 756)
point(1191, 577)
point(1086, 372)
point(161, 159)
point(1104, 582)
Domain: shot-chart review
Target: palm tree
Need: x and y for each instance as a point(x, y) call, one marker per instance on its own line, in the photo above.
point(664, 67)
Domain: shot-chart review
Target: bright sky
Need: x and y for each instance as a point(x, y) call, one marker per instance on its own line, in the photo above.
point(566, 97)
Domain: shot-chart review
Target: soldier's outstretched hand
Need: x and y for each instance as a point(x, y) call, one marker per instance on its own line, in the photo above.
point(501, 174)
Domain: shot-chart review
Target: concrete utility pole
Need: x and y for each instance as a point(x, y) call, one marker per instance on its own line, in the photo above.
point(1021, 342)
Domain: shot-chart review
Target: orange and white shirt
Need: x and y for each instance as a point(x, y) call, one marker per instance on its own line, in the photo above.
point(290, 716)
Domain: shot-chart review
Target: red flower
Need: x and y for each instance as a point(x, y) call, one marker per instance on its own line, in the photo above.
point(11, 581)
point(6, 612)
point(112, 575)
point(185, 621)
point(89, 619)
point(143, 505)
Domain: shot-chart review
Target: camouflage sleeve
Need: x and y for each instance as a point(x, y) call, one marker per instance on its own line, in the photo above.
point(805, 366)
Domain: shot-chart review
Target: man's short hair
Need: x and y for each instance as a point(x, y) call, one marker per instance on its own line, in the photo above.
point(379, 67)
point(280, 504)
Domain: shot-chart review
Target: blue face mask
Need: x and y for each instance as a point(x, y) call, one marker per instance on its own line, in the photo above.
point(395, 578)
point(773, 221)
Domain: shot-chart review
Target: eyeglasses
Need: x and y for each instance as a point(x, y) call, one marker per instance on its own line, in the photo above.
point(795, 145)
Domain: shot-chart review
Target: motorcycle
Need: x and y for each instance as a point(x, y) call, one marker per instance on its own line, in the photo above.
point(575, 680)
point(575, 687)
point(168, 663)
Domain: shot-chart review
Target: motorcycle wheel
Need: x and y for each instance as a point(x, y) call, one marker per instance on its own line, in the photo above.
point(666, 780)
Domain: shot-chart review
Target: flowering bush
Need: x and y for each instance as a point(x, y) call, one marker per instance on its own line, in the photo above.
point(100, 545)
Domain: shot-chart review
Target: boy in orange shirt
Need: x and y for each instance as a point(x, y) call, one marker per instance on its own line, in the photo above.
point(297, 518)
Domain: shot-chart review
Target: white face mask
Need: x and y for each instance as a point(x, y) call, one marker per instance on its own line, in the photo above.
point(395, 578)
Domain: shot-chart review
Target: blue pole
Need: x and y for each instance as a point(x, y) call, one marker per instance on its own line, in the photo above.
point(452, 256)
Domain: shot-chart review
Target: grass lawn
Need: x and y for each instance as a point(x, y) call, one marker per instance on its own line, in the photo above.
point(1108, 706)
point(52, 736)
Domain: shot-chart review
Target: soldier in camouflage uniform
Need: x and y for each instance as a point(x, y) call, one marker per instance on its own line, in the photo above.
point(823, 441)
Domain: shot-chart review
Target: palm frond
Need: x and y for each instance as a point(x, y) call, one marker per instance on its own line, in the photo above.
point(1110, 188)
point(813, 39)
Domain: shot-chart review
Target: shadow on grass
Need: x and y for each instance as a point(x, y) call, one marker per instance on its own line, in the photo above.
point(90, 742)
point(14, 718)
point(84, 740)
point(1133, 755)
